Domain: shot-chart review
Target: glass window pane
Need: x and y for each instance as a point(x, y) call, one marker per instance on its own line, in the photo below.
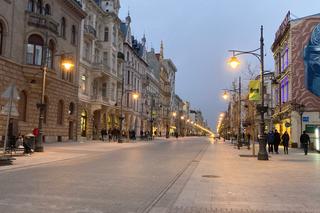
point(38, 55)
point(30, 53)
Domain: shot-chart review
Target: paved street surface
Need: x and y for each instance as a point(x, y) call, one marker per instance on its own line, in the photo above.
point(92, 178)
point(164, 176)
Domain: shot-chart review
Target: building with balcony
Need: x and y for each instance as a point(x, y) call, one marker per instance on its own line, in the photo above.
point(296, 55)
point(34, 33)
point(100, 73)
point(134, 80)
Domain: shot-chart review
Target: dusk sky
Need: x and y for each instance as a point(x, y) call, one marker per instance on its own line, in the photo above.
point(198, 34)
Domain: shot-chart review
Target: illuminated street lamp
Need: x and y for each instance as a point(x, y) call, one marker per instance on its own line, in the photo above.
point(67, 63)
point(225, 95)
point(174, 114)
point(234, 63)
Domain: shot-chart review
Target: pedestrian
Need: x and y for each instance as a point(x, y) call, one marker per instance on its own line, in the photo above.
point(305, 142)
point(276, 141)
point(270, 140)
point(102, 134)
point(110, 134)
point(249, 139)
point(285, 140)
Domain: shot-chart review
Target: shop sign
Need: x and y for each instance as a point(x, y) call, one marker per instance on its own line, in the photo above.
point(305, 119)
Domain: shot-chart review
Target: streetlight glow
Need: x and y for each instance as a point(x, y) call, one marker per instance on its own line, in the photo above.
point(135, 96)
point(225, 96)
point(67, 64)
point(234, 62)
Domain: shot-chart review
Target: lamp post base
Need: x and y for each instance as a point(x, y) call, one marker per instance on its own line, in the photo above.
point(262, 154)
point(39, 149)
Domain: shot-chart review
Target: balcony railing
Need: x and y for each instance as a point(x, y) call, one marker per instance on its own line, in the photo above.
point(90, 30)
point(42, 21)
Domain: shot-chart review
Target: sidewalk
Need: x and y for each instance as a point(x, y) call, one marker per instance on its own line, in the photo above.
point(226, 182)
point(65, 151)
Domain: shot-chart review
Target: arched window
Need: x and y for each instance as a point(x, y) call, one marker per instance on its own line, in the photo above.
point(63, 27)
point(30, 6)
point(60, 112)
point(50, 54)
point(73, 35)
point(1, 37)
point(34, 50)
point(71, 108)
point(22, 106)
point(45, 114)
point(47, 10)
point(39, 7)
point(106, 34)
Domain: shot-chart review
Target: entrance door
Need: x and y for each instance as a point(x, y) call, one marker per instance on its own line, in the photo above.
point(70, 130)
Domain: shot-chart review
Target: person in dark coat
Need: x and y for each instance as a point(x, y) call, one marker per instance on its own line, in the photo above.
point(276, 141)
point(285, 140)
point(305, 142)
point(270, 140)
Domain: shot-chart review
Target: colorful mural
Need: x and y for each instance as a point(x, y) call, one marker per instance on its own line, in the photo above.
point(312, 62)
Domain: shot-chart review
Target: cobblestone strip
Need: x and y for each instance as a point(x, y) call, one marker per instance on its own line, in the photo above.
point(166, 198)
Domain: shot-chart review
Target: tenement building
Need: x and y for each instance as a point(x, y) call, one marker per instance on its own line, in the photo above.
point(100, 69)
point(134, 77)
point(37, 35)
point(296, 54)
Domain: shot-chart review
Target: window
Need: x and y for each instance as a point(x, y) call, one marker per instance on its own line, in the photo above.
point(22, 106)
point(39, 7)
point(60, 112)
point(47, 10)
point(86, 49)
point(113, 91)
point(1, 37)
point(63, 28)
point(128, 56)
point(105, 58)
point(113, 63)
point(30, 6)
point(284, 59)
point(50, 54)
point(34, 50)
point(285, 90)
point(128, 77)
point(71, 108)
point(73, 35)
point(104, 90)
point(106, 34)
point(83, 83)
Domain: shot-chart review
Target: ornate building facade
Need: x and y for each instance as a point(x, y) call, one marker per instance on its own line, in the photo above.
point(34, 33)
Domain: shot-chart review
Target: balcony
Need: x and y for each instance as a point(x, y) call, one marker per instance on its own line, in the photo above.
point(90, 31)
point(99, 99)
point(41, 21)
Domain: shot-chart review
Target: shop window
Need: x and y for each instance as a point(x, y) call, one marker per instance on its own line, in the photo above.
point(83, 123)
point(34, 50)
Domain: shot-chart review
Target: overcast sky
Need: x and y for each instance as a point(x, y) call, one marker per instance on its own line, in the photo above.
point(198, 34)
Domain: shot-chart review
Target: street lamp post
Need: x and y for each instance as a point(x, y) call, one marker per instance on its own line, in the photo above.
point(67, 63)
point(234, 62)
point(225, 96)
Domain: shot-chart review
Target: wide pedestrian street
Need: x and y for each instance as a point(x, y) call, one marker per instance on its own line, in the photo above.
point(195, 174)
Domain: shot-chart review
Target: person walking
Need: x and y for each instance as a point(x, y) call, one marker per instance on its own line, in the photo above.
point(285, 140)
point(276, 141)
point(305, 142)
point(270, 140)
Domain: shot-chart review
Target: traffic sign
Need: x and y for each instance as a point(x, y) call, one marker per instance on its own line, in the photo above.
point(11, 90)
point(6, 110)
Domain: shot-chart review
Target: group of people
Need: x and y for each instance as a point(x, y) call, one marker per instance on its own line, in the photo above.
point(274, 139)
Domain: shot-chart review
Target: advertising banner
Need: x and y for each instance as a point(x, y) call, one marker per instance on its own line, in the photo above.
point(254, 90)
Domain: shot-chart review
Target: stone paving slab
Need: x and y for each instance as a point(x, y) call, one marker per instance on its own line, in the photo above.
point(66, 151)
point(226, 182)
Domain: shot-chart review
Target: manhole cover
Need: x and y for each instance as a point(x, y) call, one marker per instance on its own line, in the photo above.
point(210, 176)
